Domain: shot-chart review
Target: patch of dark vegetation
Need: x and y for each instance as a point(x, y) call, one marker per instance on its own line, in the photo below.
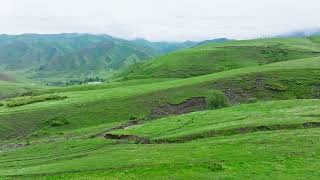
point(190, 105)
point(214, 166)
point(33, 99)
point(1, 104)
point(317, 90)
point(289, 84)
point(216, 100)
point(276, 86)
point(57, 121)
point(213, 133)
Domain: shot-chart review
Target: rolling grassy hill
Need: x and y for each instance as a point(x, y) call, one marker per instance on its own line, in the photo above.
point(83, 109)
point(276, 153)
point(217, 57)
point(256, 119)
point(229, 121)
point(60, 58)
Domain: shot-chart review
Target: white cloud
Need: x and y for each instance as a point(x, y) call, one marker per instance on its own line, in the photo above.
point(160, 19)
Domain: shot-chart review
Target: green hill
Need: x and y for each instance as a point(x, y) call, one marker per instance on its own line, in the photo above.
point(83, 109)
point(60, 58)
point(217, 57)
point(270, 116)
point(285, 153)
point(256, 120)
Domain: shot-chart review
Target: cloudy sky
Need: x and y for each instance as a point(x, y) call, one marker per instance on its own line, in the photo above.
point(156, 20)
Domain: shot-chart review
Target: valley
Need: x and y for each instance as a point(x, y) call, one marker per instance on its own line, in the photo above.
point(229, 110)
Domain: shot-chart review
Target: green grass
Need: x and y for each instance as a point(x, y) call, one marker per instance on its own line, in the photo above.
point(104, 85)
point(274, 136)
point(284, 154)
point(12, 85)
point(217, 57)
point(251, 115)
point(102, 106)
point(75, 58)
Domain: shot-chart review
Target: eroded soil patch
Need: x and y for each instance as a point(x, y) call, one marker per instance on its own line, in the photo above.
point(190, 105)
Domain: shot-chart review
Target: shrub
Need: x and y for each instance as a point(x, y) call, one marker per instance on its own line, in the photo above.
point(214, 166)
point(276, 86)
point(133, 118)
point(1, 104)
point(28, 142)
point(58, 121)
point(217, 99)
point(33, 99)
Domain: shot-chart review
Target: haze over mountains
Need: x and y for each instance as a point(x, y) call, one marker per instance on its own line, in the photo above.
point(65, 57)
point(301, 33)
point(159, 89)
point(58, 59)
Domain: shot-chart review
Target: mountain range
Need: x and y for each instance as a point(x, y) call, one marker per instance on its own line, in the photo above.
point(65, 57)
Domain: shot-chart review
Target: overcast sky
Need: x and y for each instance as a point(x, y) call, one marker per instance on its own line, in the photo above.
point(170, 20)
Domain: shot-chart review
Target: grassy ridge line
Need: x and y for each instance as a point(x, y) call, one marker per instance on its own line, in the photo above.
point(213, 58)
point(309, 43)
point(94, 95)
point(104, 86)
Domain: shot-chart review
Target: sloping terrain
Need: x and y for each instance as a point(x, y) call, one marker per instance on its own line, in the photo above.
point(256, 121)
point(285, 153)
point(84, 109)
point(217, 57)
point(12, 85)
point(74, 58)
point(229, 121)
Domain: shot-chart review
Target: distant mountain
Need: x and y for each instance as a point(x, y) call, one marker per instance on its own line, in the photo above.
point(219, 40)
point(302, 33)
point(164, 47)
point(64, 57)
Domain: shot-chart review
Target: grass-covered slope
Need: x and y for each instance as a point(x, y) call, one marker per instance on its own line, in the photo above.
point(143, 128)
point(83, 109)
point(217, 57)
point(61, 58)
point(12, 85)
point(277, 154)
point(284, 114)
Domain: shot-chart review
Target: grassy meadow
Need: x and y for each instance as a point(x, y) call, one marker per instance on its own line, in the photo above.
point(257, 116)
